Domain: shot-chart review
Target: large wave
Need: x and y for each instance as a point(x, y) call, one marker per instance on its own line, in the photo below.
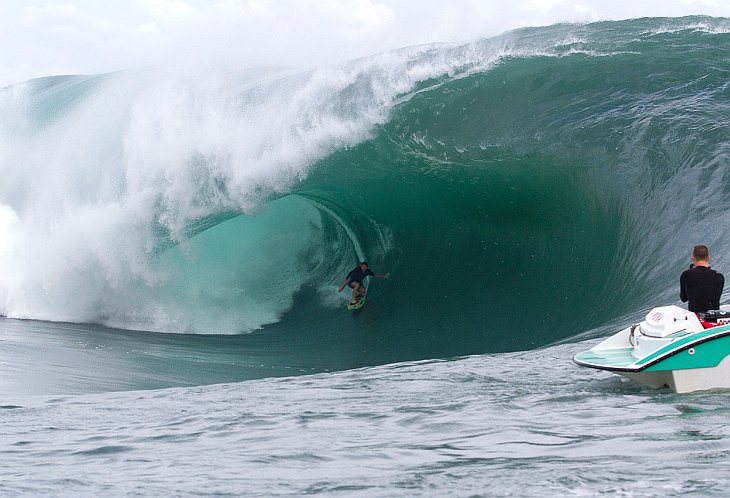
point(519, 189)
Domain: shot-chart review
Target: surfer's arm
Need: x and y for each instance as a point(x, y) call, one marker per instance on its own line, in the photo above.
point(347, 281)
point(387, 275)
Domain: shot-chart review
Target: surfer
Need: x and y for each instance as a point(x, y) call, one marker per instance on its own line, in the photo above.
point(354, 280)
point(701, 285)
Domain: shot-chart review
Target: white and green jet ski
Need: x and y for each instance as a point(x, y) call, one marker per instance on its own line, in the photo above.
point(672, 347)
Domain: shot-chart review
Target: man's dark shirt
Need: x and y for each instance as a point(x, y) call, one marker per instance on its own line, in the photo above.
point(702, 287)
point(357, 275)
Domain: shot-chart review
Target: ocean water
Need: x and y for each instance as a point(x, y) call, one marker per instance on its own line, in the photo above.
point(507, 424)
point(172, 240)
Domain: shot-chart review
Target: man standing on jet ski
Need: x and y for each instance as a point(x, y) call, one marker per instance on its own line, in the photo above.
point(701, 285)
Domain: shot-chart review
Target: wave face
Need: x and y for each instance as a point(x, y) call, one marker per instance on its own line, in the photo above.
point(519, 189)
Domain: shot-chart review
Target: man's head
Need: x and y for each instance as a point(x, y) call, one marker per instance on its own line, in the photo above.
point(364, 265)
point(700, 253)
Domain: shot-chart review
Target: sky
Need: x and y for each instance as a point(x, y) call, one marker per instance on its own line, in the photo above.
point(46, 37)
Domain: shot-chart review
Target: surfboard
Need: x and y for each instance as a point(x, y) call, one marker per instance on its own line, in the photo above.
point(359, 304)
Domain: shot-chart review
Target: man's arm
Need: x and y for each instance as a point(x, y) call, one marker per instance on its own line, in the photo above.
point(347, 281)
point(720, 286)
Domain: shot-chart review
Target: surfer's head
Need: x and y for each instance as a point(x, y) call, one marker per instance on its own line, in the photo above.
point(364, 265)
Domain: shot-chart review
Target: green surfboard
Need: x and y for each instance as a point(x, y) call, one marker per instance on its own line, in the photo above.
point(359, 304)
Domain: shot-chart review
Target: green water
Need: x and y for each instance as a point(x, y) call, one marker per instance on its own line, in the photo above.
point(528, 188)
